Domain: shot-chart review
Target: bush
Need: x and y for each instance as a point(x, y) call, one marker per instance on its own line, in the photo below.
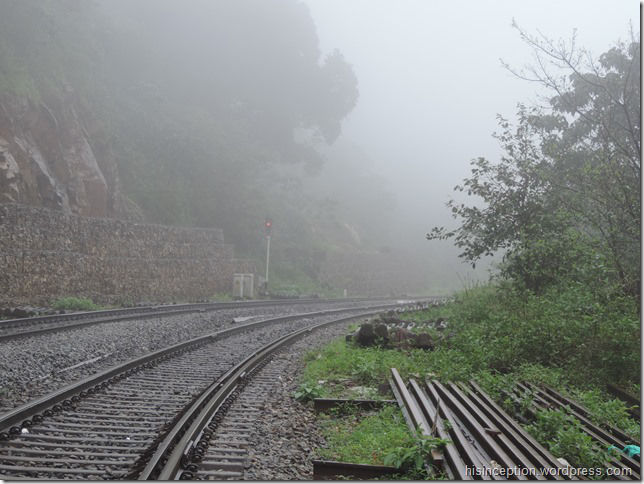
point(594, 339)
point(75, 304)
point(611, 412)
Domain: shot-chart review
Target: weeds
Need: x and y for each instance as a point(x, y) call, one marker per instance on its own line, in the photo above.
point(75, 304)
point(308, 392)
point(564, 436)
point(565, 338)
point(412, 458)
point(608, 412)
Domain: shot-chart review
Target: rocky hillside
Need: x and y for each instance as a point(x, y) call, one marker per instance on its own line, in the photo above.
point(49, 158)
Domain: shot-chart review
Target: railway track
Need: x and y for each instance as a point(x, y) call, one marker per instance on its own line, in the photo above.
point(24, 327)
point(124, 422)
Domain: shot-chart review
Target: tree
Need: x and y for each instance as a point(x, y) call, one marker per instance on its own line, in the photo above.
point(564, 201)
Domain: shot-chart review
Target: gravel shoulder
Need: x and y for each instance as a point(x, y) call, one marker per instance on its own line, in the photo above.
point(286, 436)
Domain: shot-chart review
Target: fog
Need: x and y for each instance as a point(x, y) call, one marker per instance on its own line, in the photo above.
point(431, 84)
point(347, 122)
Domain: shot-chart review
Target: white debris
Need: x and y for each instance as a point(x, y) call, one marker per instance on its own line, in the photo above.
point(241, 319)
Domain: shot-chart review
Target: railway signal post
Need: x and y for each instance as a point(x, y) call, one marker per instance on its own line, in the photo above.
point(268, 225)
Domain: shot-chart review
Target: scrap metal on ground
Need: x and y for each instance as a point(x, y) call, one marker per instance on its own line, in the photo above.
point(483, 442)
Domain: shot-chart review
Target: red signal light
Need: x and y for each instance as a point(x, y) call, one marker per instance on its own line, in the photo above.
point(268, 224)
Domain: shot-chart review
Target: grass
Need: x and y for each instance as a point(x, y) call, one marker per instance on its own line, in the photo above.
point(566, 339)
point(339, 366)
point(75, 304)
point(363, 438)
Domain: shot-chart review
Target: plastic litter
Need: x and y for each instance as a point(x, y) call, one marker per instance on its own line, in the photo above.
point(631, 450)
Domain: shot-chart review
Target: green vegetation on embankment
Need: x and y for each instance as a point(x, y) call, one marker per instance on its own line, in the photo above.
point(566, 338)
point(72, 303)
point(356, 437)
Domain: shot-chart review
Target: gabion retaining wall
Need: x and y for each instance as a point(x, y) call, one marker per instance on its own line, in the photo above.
point(46, 254)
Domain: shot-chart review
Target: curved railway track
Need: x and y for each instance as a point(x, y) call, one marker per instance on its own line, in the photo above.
point(125, 421)
point(23, 327)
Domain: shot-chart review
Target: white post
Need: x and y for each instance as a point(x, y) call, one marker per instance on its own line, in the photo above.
point(268, 256)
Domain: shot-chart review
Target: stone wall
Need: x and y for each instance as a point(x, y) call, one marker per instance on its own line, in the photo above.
point(46, 254)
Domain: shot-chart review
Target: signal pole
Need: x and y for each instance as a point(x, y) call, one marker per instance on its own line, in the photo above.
point(268, 224)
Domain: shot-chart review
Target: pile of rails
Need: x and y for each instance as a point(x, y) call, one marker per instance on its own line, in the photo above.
point(546, 398)
point(484, 442)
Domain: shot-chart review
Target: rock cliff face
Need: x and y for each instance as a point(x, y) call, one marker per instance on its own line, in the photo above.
point(49, 158)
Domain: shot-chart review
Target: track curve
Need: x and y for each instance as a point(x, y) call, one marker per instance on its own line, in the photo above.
point(107, 425)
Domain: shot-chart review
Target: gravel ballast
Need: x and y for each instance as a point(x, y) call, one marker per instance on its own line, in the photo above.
point(31, 367)
point(286, 436)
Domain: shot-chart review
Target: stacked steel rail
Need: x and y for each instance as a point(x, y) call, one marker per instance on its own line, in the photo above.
point(106, 425)
point(483, 442)
point(546, 398)
point(16, 328)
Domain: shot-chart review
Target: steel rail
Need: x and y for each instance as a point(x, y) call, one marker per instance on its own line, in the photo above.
point(605, 437)
point(34, 411)
point(419, 415)
point(89, 318)
point(464, 443)
point(454, 465)
point(512, 429)
point(484, 442)
point(174, 451)
point(542, 401)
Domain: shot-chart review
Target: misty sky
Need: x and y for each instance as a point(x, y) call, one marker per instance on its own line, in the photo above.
point(431, 82)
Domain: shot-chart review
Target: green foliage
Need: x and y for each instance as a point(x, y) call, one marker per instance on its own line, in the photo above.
point(75, 304)
point(413, 458)
point(364, 439)
point(570, 338)
point(563, 436)
point(562, 203)
point(605, 411)
point(364, 369)
point(308, 392)
point(571, 328)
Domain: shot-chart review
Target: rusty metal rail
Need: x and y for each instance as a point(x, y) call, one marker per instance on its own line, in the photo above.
point(483, 441)
point(332, 470)
point(546, 398)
